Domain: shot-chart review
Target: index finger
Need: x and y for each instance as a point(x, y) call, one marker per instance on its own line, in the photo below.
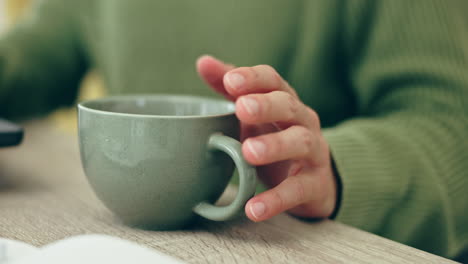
point(212, 71)
point(257, 79)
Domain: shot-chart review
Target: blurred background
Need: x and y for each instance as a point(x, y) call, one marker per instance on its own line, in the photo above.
point(91, 87)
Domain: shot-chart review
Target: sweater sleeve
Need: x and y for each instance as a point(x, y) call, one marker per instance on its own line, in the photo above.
point(41, 62)
point(403, 161)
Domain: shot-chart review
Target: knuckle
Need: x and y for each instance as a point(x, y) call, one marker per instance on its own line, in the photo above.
point(271, 74)
point(266, 103)
point(323, 148)
point(298, 189)
point(266, 68)
point(293, 104)
point(253, 71)
point(289, 104)
point(314, 117)
point(279, 144)
point(278, 200)
point(287, 87)
point(307, 140)
point(321, 194)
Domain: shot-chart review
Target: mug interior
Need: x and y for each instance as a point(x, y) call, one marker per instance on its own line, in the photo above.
point(162, 105)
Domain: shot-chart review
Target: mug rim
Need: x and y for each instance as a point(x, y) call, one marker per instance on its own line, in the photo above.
point(84, 106)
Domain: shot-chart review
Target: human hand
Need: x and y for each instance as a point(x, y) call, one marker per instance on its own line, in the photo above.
point(281, 136)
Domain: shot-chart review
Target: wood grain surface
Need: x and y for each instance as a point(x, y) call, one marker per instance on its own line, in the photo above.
point(44, 197)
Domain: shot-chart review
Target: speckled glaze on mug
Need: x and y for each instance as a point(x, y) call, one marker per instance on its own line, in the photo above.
point(158, 161)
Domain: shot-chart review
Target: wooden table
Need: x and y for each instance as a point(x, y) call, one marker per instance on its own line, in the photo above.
point(44, 196)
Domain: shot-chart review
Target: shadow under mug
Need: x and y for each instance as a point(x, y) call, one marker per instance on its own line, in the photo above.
point(158, 161)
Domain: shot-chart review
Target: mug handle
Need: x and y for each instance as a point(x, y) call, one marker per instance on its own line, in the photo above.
point(247, 180)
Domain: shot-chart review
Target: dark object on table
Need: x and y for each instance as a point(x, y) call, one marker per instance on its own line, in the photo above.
point(10, 134)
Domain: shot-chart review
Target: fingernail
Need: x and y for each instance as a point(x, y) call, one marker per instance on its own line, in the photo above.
point(251, 105)
point(204, 56)
point(235, 80)
point(257, 209)
point(256, 147)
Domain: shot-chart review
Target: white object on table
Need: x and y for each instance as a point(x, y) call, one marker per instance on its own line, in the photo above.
point(91, 249)
point(13, 250)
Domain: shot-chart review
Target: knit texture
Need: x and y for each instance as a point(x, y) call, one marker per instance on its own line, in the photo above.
point(389, 80)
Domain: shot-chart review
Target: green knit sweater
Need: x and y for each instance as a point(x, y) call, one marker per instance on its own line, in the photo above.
point(389, 80)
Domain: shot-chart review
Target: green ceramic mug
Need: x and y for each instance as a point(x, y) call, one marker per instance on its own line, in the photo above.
point(159, 161)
